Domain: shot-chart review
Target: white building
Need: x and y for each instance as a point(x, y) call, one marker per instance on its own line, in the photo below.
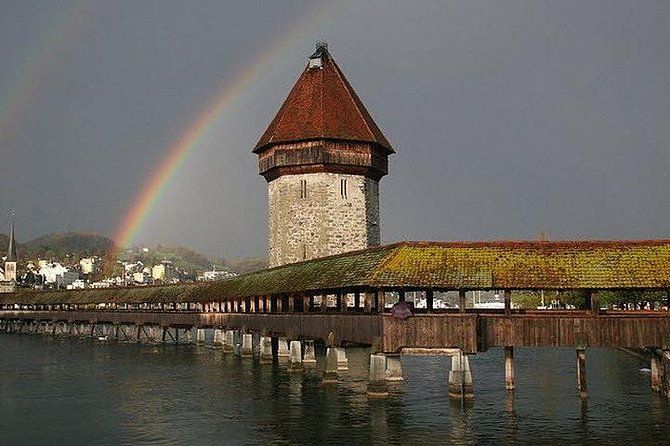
point(215, 275)
point(78, 284)
point(104, 283)
point(141, 278)
point(88, 265)
point(55, 273)
point(164, 272)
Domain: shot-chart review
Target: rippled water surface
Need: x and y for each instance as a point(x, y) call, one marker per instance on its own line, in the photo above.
point(74, 391)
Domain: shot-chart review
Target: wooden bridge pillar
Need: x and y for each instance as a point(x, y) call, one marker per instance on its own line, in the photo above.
point(331, 375)
point(460, 377)
point(247, 349)
point(393, 368)
point(509, 368)
point(310, 353)
point(295, 357)
point(665, 371)
point(656, 370)
point(282, 349)
point(377, 385)
point(581, 372)
point(266, 350)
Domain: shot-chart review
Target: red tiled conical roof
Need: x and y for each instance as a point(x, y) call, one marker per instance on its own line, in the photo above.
point(322, 105)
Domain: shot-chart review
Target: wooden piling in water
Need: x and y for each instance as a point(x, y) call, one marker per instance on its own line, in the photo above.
point(509, 368)
point(581, 372)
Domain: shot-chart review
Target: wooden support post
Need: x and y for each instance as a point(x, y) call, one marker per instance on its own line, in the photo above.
point(291, 303)
point(401, 296)
point(344, 300)
point(340, 301)
point(306, 303)
point(368, 302)
point(594, 305)
point(280, 304)
point(252, 304)
point(581, 372)
point(508, 302)
point(324, 302)
point(429, 301)
point(357, 300)
point(461, 301)
point(268, 303)
point(509, 368)
point(380, 297)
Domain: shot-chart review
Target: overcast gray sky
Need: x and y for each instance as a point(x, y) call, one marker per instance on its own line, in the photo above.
point(506, 116)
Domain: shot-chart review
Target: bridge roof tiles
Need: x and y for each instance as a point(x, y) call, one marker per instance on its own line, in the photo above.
point(437, 265)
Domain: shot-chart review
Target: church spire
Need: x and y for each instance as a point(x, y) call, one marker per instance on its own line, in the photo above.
point(11, 249)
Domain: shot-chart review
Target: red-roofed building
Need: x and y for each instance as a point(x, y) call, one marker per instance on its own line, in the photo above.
point(323, 156)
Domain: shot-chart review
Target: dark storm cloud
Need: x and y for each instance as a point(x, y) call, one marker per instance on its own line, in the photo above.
point(508, 117)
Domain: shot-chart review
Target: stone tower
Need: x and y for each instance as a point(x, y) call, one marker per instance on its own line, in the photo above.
point(10, 261)
point(323, 157)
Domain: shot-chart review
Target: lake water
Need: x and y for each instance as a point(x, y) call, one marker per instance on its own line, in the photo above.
point(76, 391)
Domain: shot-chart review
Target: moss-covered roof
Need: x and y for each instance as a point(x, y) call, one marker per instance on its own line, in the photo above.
point(437, 265)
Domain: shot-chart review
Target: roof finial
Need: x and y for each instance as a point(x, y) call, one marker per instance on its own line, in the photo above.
point(321, 45)
point(321, 50)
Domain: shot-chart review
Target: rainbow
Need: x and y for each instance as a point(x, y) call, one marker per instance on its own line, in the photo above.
point(41, 65)
point(151, 191)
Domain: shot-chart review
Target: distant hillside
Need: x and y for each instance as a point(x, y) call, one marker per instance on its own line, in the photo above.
point(244, 266)
point(66, 247)
point(62, 246)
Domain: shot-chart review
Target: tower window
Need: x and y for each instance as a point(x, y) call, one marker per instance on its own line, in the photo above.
point(343, 188)
point(303, 188)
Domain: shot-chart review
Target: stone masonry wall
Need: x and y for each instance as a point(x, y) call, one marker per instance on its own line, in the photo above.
point(323, 222)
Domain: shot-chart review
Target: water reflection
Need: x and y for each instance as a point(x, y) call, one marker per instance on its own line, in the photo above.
point(78, 391)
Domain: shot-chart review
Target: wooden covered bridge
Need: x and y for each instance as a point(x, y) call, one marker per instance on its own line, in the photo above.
point(353, 298)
